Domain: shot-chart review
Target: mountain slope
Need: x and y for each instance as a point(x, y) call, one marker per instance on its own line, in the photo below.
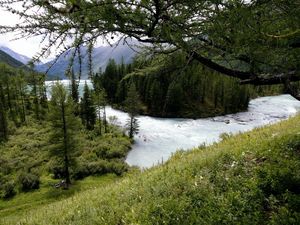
point(5, 58)
point(100, 57)
point(22, 58)
point(251, 178)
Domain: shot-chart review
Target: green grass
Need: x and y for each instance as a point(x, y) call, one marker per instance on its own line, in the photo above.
point(250, 178)
point(27, 152)
point(47, 193)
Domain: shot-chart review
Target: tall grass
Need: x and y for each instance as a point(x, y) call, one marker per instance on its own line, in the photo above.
point(250, 178)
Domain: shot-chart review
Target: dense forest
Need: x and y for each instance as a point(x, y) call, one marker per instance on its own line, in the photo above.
point(171, 87)
point(61, 138)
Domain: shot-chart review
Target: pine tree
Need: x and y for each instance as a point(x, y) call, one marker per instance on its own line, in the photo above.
point(35, 93)
point(174, 98)
point(74, 87)
point(100, 102)
point(87, 109)
point(3, 117)
point(22, 90)
point(64, 125)
point(132, 106)
point(110, 79)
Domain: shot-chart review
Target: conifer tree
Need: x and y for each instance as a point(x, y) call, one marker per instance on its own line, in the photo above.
point(22, 90)
point(87, 109)
point(174, 98)
point(3, 117)
point(64, 125)
point(236, 38)
point(100, 102)
point(132, 105)
point(111, 79)
point(74, 87)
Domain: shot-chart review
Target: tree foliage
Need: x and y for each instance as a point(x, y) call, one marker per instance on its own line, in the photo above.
point(168, 87)
point(64, 126)
point(255, 41)
point(132, 105)
point(87, 108)
point(21, 94)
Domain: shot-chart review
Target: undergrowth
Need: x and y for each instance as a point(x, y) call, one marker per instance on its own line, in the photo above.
point(250, 178)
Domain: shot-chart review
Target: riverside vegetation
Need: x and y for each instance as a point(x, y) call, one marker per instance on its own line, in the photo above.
point(43, 142)
point(171, 87)
point(250, 178)
point(64, 138)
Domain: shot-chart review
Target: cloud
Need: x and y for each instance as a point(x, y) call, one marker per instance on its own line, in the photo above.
point(28, 47)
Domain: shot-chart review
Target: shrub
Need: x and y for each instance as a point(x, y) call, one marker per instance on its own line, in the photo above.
point(28, 181)
point(118, 168)
point(58, 171)
point(81, 172)
point(99, 167)
point(8, 190)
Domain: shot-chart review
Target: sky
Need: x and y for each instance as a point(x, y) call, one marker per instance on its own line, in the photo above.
point(28, 47)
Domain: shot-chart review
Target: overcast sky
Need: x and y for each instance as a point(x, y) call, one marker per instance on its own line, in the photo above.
point(26, 47)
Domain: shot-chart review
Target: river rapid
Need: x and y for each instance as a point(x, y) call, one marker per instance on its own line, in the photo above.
point(159, 138)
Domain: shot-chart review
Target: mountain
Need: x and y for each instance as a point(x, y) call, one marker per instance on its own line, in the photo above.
point(6, 58)
point(22, 58)
point(100, 56)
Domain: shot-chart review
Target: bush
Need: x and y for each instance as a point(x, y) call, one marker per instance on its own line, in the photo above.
point(91, 168)
point(118, 168)
point(28, 181)
point(81, 172)
point(8, 190)
point(99, 167)
point(58, 172)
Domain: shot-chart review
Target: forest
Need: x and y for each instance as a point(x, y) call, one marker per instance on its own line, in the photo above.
point(68, 134)
point(199, 59)
point(171, 87)
point(61, 138)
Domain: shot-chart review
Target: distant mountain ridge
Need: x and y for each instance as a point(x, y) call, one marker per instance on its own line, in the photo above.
point(19, 57)
point(100, 58)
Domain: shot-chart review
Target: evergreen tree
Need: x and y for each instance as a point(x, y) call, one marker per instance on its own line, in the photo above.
point(87, 109)
point(74, 87)
point(100, 102)
point(110, 79)
point(22, 90)
point(3, 117)
point(174, 98)
point(132, 106)
point(34, 82)
point(64, 125)
point(235, 38)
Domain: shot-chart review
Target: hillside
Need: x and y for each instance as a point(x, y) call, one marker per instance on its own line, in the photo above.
point(22, 58)
point(5, 58)
point(251, 178)
point(100, 56)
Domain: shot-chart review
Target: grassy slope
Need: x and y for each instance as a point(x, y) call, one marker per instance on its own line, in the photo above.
point(251, 178)
point(28, 149)
point(46, 194)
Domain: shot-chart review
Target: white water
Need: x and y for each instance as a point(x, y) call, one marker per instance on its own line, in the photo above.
point(160, 137)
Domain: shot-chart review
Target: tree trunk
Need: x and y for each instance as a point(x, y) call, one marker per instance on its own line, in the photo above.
point(104, 120)
point(66, 159)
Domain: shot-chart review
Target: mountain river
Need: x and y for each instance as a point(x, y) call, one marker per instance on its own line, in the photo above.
point(159, 138)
